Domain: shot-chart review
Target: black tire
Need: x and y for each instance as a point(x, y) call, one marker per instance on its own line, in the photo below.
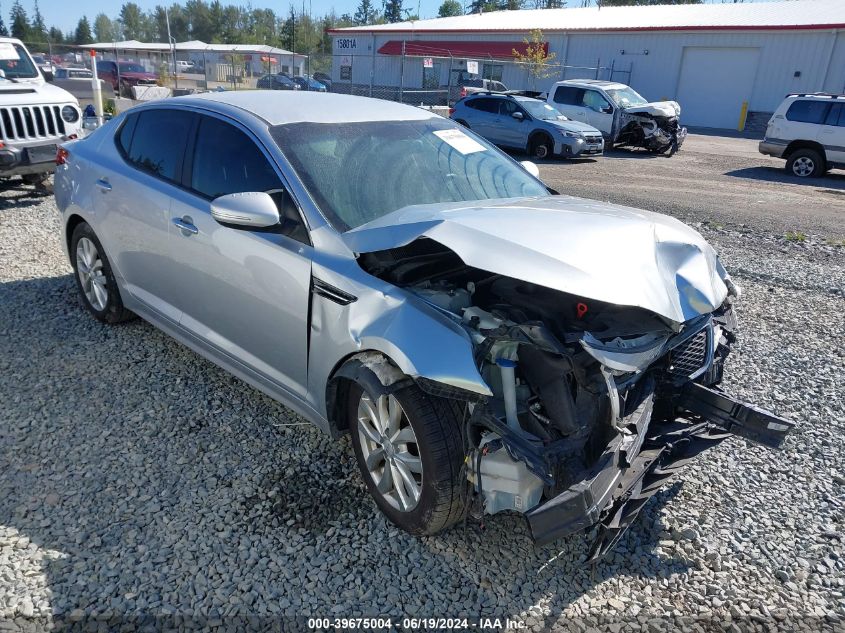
point(540, 147)
point(113, 310)
point(36, 180)
point(444, 486)
point(806, 163)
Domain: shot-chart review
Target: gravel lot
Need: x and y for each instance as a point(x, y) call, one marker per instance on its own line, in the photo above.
point(138, 480)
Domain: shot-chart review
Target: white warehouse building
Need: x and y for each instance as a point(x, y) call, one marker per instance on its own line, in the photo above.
point(717, 60)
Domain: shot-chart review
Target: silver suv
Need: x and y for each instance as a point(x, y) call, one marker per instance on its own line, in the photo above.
point(808, 130)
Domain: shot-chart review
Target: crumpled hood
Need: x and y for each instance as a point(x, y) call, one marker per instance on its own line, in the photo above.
point(590, 249)
point(657, 108)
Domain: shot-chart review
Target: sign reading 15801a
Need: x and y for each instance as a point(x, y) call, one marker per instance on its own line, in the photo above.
point(348, 45)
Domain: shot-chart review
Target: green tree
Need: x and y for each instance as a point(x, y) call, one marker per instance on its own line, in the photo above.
point(20, 21)
point(4, 32)
point(82, 35)
point(200, 20)
point(450, 8)
point(482, 6)
point(104, 28)
point(133, 22)
point(535, 58)
point(55, 35)
point(38, 30)
point(365, 14)
point(392, 10)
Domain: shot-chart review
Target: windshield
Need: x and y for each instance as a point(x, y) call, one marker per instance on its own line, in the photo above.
point(358, 172)
point(626, 97)
point(542, 111)
point(15, 62)
point(132, 68)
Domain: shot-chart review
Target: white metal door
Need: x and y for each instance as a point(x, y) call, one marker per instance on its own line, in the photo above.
point(713, 84)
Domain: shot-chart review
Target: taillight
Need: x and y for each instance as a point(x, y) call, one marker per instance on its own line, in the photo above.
point(463, 92)
point(451, 111)
point(61, 156)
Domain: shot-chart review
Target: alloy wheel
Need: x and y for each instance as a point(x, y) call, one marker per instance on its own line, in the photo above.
point(390, 450)
point(89, 267)
point(803, 166)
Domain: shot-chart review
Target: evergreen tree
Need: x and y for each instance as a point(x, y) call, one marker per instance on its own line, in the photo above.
point(392, 10)
point(450, 8)
point(104, 28)
point(83, 32)
point(55, 35)
point(20, 21)
point(38, 30)
point(4, 32)
point(365, 14)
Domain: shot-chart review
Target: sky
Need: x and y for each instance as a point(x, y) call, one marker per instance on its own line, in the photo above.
point(66, 14)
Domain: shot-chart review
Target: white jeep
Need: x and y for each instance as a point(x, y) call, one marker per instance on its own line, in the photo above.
point(808, 130)
point(621, 113)
point(35, 116)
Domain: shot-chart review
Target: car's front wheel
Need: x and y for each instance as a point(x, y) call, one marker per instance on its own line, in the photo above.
point(95, 280)
point(805, 163)
point(540, 147)
point(410, 450)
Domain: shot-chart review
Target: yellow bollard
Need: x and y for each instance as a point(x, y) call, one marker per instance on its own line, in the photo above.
point(743, 113)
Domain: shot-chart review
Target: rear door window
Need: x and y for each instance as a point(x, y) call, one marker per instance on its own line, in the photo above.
point(159, 140)
point(836, 115)
point(569, 95)
point(486, 105)
point(807, 111)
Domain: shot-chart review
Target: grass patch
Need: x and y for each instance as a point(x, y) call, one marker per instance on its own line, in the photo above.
point(795, 236)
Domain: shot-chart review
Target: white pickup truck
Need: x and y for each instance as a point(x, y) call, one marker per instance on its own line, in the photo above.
point(35, 116)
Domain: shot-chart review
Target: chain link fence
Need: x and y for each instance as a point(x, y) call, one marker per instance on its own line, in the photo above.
point(441, 80)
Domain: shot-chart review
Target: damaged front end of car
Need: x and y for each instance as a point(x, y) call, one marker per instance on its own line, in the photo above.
point(655, 127)
point(595, 404)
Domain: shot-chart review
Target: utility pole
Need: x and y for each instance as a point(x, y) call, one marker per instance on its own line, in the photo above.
point(172, 43)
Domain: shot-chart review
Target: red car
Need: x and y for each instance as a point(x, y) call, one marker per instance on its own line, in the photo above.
point(131, 74)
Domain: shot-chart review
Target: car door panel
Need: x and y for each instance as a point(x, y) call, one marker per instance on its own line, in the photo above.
point(832, 134)
point(134, 197)
point(244, 291)
point(594, 101)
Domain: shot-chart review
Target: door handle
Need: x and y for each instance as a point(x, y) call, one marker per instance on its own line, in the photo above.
point(186, 225)
point(104, 185)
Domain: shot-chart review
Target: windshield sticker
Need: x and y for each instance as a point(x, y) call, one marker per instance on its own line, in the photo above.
point(460, 141)
point(7, 51)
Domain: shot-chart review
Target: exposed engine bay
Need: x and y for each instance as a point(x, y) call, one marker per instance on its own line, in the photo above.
point(655, 127)
point(595, 405)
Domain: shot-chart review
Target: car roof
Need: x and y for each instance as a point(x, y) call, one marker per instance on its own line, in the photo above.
point(598, 83)
point(815, 95)
point(279, 107)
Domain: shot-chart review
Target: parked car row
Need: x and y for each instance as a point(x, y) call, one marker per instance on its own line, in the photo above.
point(283, 81)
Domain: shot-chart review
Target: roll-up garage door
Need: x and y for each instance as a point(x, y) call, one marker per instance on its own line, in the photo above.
point(713, 84)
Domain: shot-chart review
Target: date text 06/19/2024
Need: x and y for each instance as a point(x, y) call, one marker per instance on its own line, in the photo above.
point(411, 624)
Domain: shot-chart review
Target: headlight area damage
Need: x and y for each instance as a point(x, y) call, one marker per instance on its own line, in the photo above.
point(595, 405)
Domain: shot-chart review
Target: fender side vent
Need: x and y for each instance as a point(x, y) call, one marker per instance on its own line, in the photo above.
point(331, 293)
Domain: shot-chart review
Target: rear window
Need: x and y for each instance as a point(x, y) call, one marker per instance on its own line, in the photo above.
point(807, 111)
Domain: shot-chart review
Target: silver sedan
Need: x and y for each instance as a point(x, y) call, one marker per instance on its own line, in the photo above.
point(489, 344)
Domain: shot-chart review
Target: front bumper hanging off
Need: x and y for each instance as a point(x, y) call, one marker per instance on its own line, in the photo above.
point(622, 480)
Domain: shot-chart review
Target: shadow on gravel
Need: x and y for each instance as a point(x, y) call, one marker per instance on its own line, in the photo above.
point(829, 183)
point(138, 479)
point(23, 196)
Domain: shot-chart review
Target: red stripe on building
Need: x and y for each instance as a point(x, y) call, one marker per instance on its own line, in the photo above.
point(432, 48)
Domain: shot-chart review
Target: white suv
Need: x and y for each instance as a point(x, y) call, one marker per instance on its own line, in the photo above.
point(808, 130)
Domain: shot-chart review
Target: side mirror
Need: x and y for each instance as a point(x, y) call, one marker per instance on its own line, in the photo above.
point(531, 168)
point(518, 116)
point(606, 109)
point(251, 209)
